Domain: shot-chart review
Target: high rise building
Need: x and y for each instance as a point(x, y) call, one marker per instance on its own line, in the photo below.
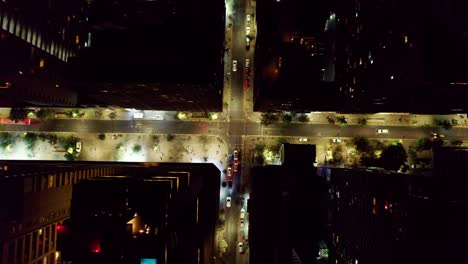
point(35, 200)
point(36, 40)
point(377, 216)
point(166, 213)
point(286, 212)
point(178, 202)
point(164, 55)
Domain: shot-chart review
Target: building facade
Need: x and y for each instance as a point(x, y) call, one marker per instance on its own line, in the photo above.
point(35, 201)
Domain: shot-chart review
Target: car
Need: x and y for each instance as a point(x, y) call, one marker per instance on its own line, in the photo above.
point(249, 18)
point(247, 30)
point(228, 201)
point(247, 63)
point(247, 43)
point(229, 159)
point(241, 247)
point(234, 65)
point(382, 131)
point(303, 139)
point(138, 114)
point(246, 84)
point(336, 140)
point(78, 147)
point(236, 154)
point(242, 215)
point(229, 176)
point(247, 71)
point(236, 167)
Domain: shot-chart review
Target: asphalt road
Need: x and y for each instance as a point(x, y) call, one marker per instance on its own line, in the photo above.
point(236, 129)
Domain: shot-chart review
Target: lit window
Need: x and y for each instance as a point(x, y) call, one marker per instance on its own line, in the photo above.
point(406, 39)
point(77, 39)
point(391, 77)
point(41, 63)
point(50, 182)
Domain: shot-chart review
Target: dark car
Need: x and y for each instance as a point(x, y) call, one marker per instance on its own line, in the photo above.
point(247, 71)
point(229, 176)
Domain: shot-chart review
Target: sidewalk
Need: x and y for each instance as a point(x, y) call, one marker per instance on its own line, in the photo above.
point(380, 119)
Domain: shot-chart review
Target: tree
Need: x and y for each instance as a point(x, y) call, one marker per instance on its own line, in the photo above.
point(69, 156)
point(362, 121)
point(136, 148)
point(338, 155)
point(113, 115)
point(44, 114)
point(18, 114)
point(268, 118)
point(456, 142)
point(279, 141)
point(341, 120)
point(98, 113)
point(444, 124)
point(170, 137)
point(102, 136)
point(362, 144)
point(303, 118)
point(286, 118)
point(423, 143)
point(393, 157)
point(6, 139)
point(30, 140)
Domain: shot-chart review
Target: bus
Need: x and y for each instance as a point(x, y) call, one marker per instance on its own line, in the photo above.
point(8, 121)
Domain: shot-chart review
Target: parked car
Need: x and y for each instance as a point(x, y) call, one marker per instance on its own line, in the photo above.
point(336, 140)
point(247, 72)
point(246, 84)
point(236, 154)
point(247, 30)
point(242, 215)
point(382, 131)
point(303, 139)
point(229, 160)
point(236, 168)
point(234, 65)
point(241, 247)
point(229, 176)
point(228, 201)
point(247, 63)
point(78, 147)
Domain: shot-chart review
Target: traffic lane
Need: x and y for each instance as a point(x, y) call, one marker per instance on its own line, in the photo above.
point(326, 130)
point(122, 126)
point(231, 231)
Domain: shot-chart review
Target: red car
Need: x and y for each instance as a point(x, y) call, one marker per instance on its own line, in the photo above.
point(236, 168)
point(246, 84)
point(247, 71)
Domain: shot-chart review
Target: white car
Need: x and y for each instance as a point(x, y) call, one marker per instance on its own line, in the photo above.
point(336, 140)
point(234, 65)
point(247, 30)
point(242, 215)
point(138, 114)
point(228, 201)
point(78, 147)
point(303, 139)
point(248, 18)
point(382, 131)
point(241, 247)
point(247, 63)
